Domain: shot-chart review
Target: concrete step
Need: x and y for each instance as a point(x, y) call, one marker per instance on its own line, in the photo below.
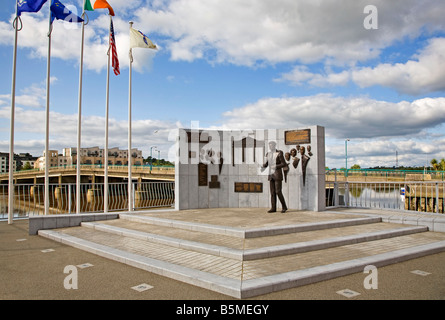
point(291, 244)
point(249, 232)
point(275, 258)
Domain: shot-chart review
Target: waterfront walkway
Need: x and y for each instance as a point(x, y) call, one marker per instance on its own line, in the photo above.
point(32, 267)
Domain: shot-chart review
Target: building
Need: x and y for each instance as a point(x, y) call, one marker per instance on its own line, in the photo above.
point(4, 162)
point(90, 156)
point(53, 160)
point(20, 160)
point(24, 159)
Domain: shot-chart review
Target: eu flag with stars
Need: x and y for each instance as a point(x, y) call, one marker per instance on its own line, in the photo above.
point(29, 6)
point(60, 12)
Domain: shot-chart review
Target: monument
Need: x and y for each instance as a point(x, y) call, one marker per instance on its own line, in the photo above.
point(239, 169)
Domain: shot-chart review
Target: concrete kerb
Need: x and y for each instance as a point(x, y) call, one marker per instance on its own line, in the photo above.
point(251, 232)
point(201, 227)
point(274, 251)
point(45, 222)
point(268, 231)
point(435, 222)
point(37, 223)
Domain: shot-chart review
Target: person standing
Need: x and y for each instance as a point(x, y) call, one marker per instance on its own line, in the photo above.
point(276, 163)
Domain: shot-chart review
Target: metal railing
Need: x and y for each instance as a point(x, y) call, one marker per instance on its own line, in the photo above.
point(421, 196)
point(384, 175)
point(29, 198)
point(156, 169)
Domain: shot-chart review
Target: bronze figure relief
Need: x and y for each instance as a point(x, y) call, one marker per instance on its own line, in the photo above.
point(292, 157)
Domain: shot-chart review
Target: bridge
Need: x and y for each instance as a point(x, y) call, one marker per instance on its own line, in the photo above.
point(91, 174)
point(153, 187)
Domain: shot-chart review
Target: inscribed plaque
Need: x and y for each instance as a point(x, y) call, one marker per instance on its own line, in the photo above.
point(255, 187)
point(202, 174)
point(297, 136)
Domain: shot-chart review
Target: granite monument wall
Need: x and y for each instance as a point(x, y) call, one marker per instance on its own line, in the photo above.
point(224, 169)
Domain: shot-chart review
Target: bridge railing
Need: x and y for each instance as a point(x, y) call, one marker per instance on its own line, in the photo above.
point(384, 175)
point(161, 169)
point(29, 199)
point(421, 196)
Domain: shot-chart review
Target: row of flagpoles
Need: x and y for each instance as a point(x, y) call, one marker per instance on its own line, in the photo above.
point(60, 12)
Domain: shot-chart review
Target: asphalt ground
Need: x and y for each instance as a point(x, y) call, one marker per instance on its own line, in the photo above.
point(28, 274)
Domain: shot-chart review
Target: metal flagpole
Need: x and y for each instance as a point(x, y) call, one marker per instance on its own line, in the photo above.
point(11, 138)
point(130, 198)
point(79, 116)
point(47, 118)
point(106, 129)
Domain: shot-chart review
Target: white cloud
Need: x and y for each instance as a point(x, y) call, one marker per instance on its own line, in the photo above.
point(301, 74)
point(66, 39)
point(247, 32)
point(384, 152)
point(33, 96)
point(376, 128)
point(419, 75)
point(342, 117)
point(257, 33)
point(422, 75)
point(63, 132)
point(238, 31)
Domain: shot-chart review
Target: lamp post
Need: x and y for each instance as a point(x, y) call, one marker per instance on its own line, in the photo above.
point(151, 157)
point(346, 156)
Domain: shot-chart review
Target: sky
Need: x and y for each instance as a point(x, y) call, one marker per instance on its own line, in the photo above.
point(368, 71)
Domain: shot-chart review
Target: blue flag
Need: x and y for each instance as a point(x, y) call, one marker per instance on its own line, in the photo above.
point(59, 11)
point(29, 6)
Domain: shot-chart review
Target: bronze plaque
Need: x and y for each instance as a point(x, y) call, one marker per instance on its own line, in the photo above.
point(214, 183)
point(297, 136)
point(255, 187)
point(202, 174)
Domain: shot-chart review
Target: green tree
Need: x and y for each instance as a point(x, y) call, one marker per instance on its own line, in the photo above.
point(442, 164)
point(27, 166)
point(438, 165)
point(434, 164)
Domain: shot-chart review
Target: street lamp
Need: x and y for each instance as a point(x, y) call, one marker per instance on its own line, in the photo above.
point(151, 157)
point(346, 156)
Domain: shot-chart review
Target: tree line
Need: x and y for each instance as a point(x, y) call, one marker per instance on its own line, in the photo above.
point(438, 165)
point(157, 162)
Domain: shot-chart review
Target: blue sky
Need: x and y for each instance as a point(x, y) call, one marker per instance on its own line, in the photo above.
point(238, 64)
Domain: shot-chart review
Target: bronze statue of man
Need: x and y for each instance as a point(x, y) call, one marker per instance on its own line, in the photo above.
point(276, 163)
point(304, 160)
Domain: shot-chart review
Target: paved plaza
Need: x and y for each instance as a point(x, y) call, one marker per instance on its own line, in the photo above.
point(33, 266)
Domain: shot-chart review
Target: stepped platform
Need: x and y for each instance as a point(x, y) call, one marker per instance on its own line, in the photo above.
point(247, 252)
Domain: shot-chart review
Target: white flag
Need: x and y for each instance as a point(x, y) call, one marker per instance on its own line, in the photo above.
point(140, 40)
